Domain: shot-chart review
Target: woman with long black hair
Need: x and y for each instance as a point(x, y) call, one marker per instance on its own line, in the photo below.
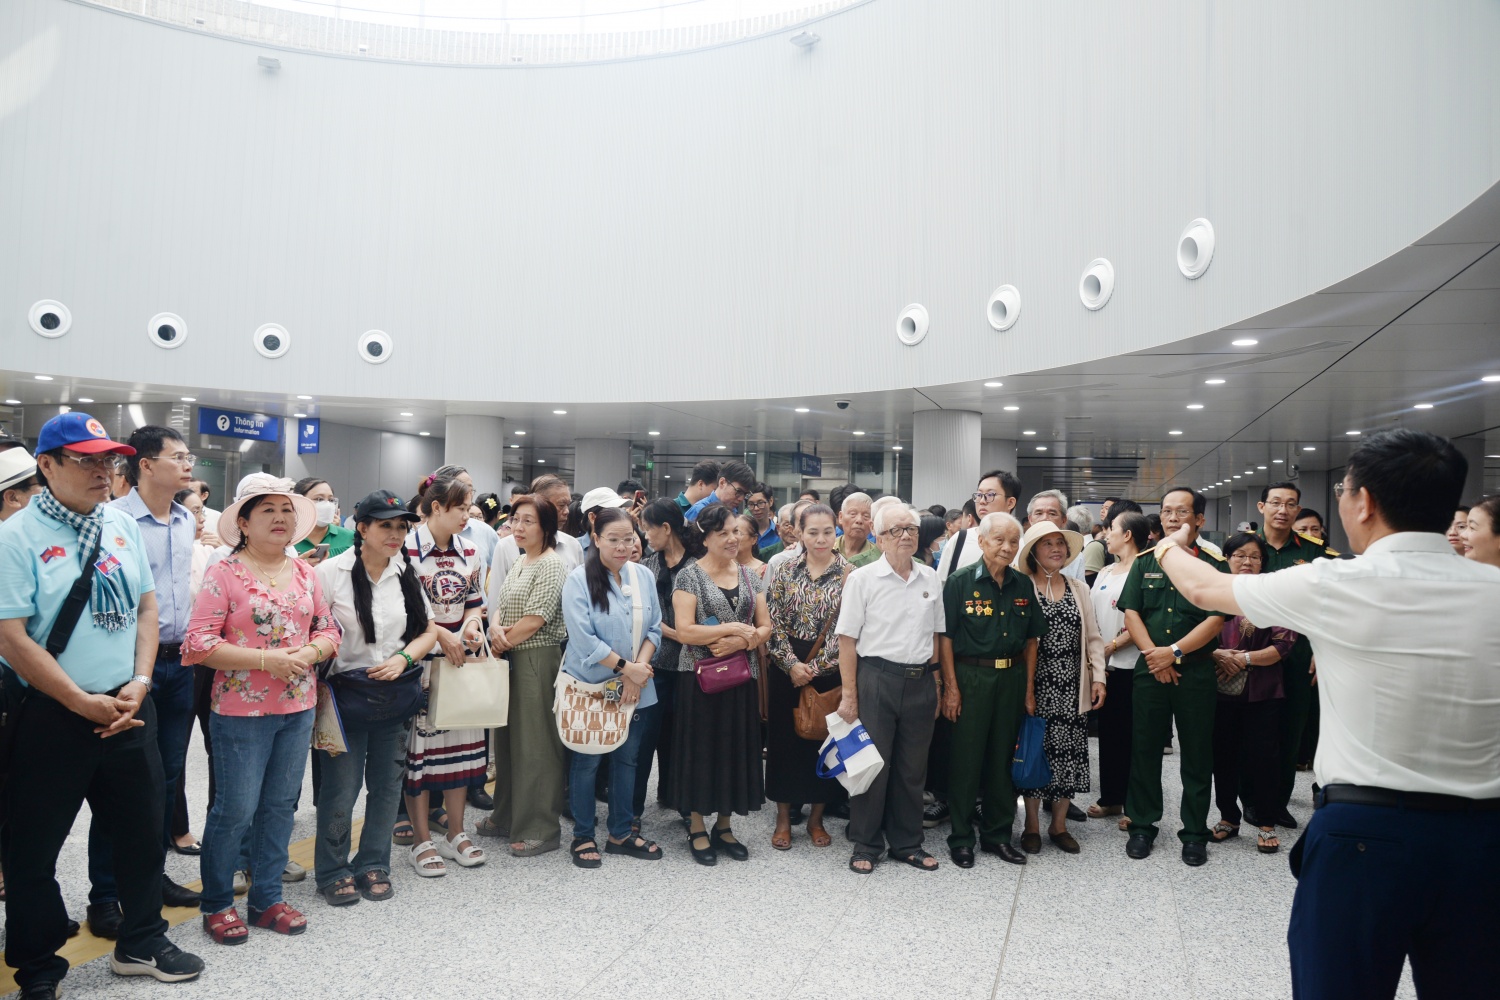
point(376, 598)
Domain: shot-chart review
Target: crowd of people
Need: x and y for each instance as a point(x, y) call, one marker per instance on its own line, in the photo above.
point(711, 636)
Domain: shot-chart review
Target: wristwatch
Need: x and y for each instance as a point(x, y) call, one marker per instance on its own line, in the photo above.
point(1247, 661)
point(1177, 653)
point(141, 679)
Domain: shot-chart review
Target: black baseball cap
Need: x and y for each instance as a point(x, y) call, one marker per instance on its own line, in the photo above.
point(382, 505)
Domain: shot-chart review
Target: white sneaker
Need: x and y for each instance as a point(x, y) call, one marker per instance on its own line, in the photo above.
point(241, 883)
point(468, 856)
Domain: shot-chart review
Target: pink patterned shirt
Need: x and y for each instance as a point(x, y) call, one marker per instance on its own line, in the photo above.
point(234, 606)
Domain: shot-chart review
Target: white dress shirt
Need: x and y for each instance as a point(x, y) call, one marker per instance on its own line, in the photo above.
point(387, 607)
point(968, 557)
point(890, 617)
point(508, 553)
point(1407, 642)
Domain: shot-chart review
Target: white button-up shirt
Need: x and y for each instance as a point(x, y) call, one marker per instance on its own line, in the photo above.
point(890, 617)
point(508, 553)
point(1407, 641)
point(387, 607)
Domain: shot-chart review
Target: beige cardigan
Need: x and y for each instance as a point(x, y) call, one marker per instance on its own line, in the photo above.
point(1091, 658)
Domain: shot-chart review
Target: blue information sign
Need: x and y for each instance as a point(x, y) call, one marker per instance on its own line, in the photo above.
point(232, 423)
point(308, 429)
point(809, 465)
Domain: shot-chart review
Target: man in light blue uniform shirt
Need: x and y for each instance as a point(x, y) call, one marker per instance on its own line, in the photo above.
point(84, 728)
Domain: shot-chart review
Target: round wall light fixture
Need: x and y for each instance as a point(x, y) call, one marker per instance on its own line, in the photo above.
point(166, 330)
point(1097, 284)
point(271, 340)
point(911, 325)
point(50, 318)
point(375, 347)
point(1004, 307)
point(1195, 248)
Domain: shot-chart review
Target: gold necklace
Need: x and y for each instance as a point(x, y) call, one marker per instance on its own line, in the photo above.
point(266, 573)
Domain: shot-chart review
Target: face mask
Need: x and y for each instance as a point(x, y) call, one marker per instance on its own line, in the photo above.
point(328, 512)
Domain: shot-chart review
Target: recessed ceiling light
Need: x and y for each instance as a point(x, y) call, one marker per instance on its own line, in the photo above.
point(299, 415)
point(1278, 461)
point(520, 433)
point(722, 447)
point(896, 447)
point(1308, 447)
point(1249, 472)
point(654, 433)
point(1490, 378)
point(858, 434)
point(405, 413)
point(1245, 342)
point(1028, 433)
point(1261, 467)
point(190, 399)
point(1011, 409)
point(1492, 456)
point(541, 461)
point(1174, 433)
point(304, 397)
point(993, 385)
point(515, 446)
point(666, 477)
point(1213, 381)
point(84, 399)
point(561, 413)
point(1352, 433)
point(1041, 447)
point(802, 409)
point(1238, 476)
point(42, 378)
point(1419, 406)
point(12, 402)
point(424, 434)
point(1195, 406)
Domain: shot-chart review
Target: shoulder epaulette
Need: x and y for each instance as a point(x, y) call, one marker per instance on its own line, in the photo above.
point(1332, 554)
point(1150, 551)
point(1219, 556)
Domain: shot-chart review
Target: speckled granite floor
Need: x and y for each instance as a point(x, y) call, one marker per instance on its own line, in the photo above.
point(794, 924)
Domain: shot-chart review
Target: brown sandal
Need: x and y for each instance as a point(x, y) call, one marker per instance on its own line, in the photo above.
point(226, 927)
point(1096, 811)
point(820, 837)
point(280, 918)
point(781, 838)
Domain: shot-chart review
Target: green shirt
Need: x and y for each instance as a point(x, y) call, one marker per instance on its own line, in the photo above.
point(1299, 549)
point(987, 619)
point(867, 555)
point(770, 550)
point(1169, 616)
point(338, 539)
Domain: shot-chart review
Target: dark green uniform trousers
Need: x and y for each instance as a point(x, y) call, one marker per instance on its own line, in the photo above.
point(984, 742)
point(1296, 680)
point(1191, 703)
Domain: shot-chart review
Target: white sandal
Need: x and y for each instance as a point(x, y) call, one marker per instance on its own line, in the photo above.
point(468, 856)
point(430, 867)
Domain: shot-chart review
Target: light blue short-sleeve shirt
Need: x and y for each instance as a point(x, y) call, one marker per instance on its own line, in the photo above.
point(38, 564)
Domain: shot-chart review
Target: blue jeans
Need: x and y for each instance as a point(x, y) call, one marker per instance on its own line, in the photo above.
point(172, 697)
point(259, 762)
point(376, 758)
point(1377, 885)
point(621, 782)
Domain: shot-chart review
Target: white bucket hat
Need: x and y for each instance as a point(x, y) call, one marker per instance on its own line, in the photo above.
point(260, 484)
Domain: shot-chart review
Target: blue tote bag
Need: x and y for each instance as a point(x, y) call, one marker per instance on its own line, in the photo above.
point(1029, 767)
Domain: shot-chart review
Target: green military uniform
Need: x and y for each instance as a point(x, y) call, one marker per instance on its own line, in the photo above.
point(1296, 672)
point(1169, 617)
point(989, 625)
point(867, 555)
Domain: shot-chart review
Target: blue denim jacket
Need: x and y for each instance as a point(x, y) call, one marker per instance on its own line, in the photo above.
point(594, 634)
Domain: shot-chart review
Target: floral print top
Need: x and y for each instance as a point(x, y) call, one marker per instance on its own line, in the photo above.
point(234, 606)
point(799, 607)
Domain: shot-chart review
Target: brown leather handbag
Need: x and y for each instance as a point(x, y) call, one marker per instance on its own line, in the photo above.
point(810, 717)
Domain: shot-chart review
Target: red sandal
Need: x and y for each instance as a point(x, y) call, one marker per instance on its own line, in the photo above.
point(279, 918)
point(226, 927)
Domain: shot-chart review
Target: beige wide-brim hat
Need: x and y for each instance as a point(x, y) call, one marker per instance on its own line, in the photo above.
point(260, 484)
point(1041, 530)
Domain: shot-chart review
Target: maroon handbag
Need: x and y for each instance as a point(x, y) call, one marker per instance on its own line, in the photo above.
point(720, 673)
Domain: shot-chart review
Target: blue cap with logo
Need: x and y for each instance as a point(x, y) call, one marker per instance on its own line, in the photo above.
point(78, 432)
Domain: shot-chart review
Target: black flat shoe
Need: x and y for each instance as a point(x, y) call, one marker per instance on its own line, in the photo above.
point(1194, 855)
point(635, 847)
point(1283, 818)
point(481, 799)
point(736, 850)
point(1076, 814)
point(74, 927)
point(1138, 846)
point(706, 856)
point(104, 920)
point(962, 856)
point(191, 850)
point(1005, 852)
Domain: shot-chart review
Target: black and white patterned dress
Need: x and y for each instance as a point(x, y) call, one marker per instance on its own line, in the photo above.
point(1057, 672)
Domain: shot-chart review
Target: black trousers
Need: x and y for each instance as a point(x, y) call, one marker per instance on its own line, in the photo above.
point(1247, 758)
point(58, 764)
point(1115, 736)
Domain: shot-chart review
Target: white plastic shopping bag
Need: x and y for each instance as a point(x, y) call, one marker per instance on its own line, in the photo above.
point(849, 755)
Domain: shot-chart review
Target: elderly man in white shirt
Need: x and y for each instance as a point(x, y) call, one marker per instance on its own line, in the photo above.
point(1402, 858)
point(888, 626)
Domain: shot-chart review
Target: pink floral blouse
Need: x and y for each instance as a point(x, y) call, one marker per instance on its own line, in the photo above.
point(234, 606)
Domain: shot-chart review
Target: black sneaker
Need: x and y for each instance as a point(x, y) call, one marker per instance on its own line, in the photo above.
point(105, 919)
point(934, 813)
point(170, 964)
point(46, 990)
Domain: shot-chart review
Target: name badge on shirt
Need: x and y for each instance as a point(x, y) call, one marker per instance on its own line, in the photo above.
point(1154, 576)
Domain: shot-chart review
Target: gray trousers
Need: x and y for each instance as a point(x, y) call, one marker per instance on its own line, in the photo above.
point(898, 713)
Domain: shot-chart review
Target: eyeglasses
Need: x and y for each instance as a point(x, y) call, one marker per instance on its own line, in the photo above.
point(187, 461)
point(739, 491)
point(95, 463)
point(1338, 488)
point(902, 531)
point(1176, 512)
point(985, 497)
point(617, 542)
point(1281, 504)
point(760, 504)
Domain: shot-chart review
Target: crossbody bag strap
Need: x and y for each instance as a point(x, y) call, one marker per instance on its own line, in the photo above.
point(72, 606)
point(958, 550)
point(817, 646)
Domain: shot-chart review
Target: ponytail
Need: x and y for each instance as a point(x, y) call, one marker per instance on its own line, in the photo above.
point(359, 578)
point(411, 595)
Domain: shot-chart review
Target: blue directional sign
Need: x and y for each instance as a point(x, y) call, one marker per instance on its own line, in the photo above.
point(308, 429)
point(232, 423)
point(810, 466)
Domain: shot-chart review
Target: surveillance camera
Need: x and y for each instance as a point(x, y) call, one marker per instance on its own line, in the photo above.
point(50, 318)
point(842, 404)
point(1296, 469)
point(166, 330)
point(272, 340)
point(375, 347)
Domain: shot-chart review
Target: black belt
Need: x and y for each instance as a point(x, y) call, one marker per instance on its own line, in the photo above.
point(169, 651)
point(911, 671)
point(1364, 795)
point(1004, 663)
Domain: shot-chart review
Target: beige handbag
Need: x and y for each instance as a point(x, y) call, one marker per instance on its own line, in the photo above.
point(474, 695)
point(591, 718)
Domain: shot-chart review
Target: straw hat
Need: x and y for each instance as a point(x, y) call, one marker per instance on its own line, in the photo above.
point(261, 484)
point(1041, 530)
